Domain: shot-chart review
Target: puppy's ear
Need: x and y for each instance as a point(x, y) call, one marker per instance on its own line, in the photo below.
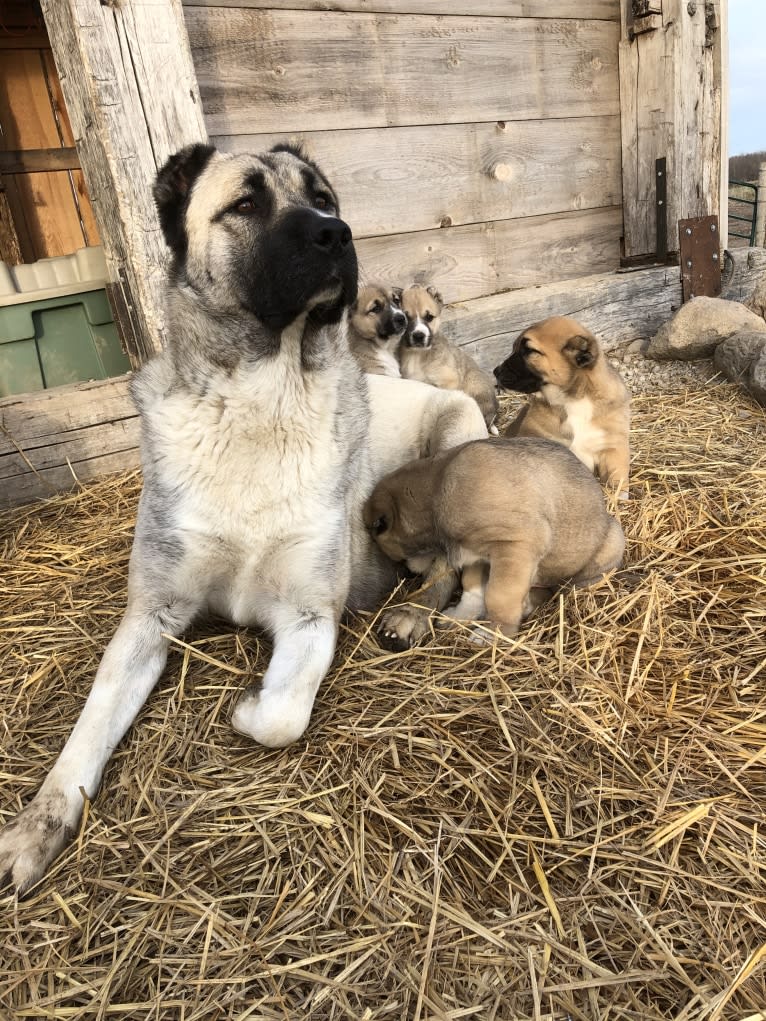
point(582, 351)
point(436, 296)
point(172, 189)
point(518, 343)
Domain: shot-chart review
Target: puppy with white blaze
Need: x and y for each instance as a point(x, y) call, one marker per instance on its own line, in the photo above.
point(256, 460)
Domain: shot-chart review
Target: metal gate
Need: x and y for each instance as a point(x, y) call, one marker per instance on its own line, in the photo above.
point(739, 206)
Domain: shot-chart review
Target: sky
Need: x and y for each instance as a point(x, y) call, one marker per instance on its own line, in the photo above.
point(747, 76)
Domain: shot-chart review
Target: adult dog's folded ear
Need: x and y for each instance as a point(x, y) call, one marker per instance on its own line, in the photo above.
point(172, 189)
point(583, 351)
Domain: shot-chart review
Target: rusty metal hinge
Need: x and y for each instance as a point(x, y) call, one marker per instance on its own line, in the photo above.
point(699, 244)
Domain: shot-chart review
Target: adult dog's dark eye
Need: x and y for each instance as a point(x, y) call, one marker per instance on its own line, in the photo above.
point(379, 526)
point(429, 317)
point(323, 202)
point(246, 206)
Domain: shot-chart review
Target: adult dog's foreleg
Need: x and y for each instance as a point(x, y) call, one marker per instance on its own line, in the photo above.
point(277, 712)
point(131, 666)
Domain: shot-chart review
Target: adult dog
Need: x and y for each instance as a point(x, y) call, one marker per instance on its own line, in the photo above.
point(256, 464)
point(576, 397)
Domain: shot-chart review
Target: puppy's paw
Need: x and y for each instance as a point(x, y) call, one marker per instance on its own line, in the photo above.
point(273, 718)
point(30, 842)
point(404, 626)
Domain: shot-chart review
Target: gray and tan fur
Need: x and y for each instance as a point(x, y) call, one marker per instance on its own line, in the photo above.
point(516, 517)
point(426, 354)
point(375, 328)
point(256, 460)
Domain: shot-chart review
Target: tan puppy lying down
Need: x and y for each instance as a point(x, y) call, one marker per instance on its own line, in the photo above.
point(514, 515)
point(427, 355)
point(576, 397)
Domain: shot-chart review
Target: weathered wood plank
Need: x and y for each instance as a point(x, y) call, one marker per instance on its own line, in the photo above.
point(670, 95)
point(49, 438)
point(604, 10)
point(403, 179)
point(466, 262)
point(10, 247)
point(742, 272)
point(38, 486)
point(130, 90)
point(33, 161)
point(79, 189)
point(50, 217)
point(73, 448)
point(617, 307)
point(263, 68)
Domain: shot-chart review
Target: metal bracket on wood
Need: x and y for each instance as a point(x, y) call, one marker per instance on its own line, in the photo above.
point(661, 205)
point(699, 244)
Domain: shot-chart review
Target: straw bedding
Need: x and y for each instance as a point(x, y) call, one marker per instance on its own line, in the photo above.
point(570, 825)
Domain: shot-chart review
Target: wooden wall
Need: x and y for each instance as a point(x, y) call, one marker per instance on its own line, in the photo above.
point(46, 212)
point(477, 150)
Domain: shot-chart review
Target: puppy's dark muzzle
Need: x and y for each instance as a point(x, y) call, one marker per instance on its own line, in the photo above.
point(513, 374)
point(391, 325)
point(399, 321)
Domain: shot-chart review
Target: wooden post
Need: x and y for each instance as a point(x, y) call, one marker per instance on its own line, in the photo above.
point(132, 97)
point(671, 81)
point(760, 212)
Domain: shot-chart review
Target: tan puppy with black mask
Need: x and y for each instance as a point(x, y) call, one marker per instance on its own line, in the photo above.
point(576, 397)
point(517, 516)
point(427, 355)
point(376, 324)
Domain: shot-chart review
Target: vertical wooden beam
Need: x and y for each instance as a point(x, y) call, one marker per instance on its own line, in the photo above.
point(671, 82)
point(132, 97)
point(723, 52)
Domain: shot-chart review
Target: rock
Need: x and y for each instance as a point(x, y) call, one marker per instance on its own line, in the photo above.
point(742, 358)
point(634, 350)
point(756, 378)
point(735, 355)
point(757, 301)
point(699, 326)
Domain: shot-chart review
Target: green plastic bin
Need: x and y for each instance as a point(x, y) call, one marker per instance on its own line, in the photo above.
point(56, 338)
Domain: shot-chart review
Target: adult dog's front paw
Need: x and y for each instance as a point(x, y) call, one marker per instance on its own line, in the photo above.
point(30, 842)
point(404, 626)
point(272, 718)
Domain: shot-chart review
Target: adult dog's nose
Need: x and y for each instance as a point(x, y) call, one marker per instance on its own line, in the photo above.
point(331, 234)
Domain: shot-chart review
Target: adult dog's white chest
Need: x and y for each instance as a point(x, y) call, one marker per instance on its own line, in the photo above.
point(253, 455)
